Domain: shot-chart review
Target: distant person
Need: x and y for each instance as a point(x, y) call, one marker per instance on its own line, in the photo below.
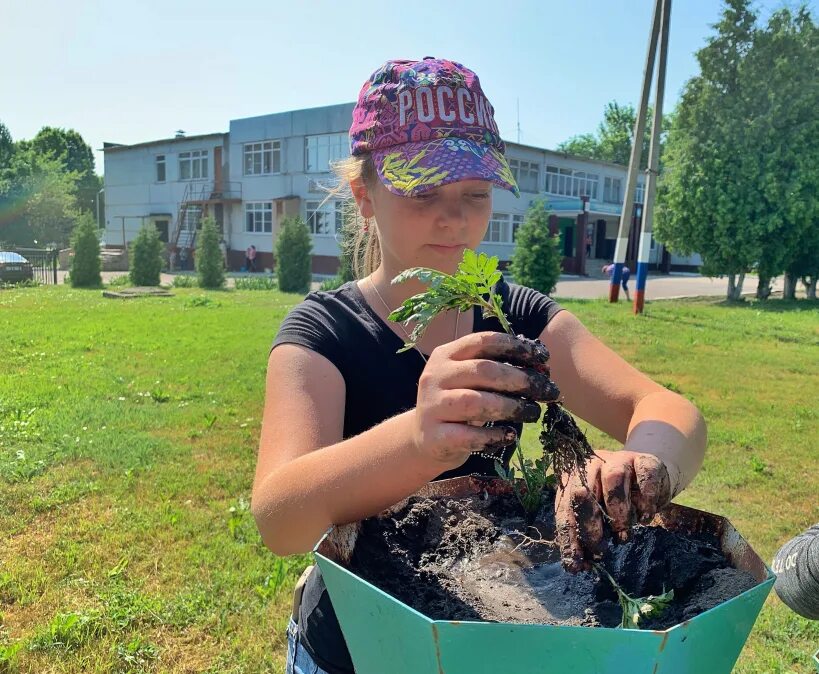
point(588, 245)
point(626, 274)
point(797, 568)
point(223, 248)
point(250, 258)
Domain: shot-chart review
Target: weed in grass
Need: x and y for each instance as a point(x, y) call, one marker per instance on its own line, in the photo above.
point(210, 420)
point(8, 656)
point(160, 396)
point(241, 524)
point(69, 631)
point(135, 656)
point(22, 468)
point(256, 283)
point(201, 301)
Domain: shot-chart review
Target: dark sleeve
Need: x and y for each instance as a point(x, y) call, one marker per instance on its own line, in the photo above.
point(311, 325)
point(797, 568)
point(529, 310)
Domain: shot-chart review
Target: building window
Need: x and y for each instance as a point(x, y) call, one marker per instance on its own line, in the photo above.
point(324, 219)
point(613, 190)
point(527, 174)
point(498, 230)
point(193, 165)
point(517, 221)
point(639, 194)
point(263, 158)
point(259, 217)
point(160, 168)
point(319, 151)
point(571, 183)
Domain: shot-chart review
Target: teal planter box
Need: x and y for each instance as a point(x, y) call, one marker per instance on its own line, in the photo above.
point(385, 636)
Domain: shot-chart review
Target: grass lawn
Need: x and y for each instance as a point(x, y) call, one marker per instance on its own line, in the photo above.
point(128, 433)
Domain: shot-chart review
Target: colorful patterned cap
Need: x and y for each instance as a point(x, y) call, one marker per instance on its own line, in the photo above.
point(427, 123)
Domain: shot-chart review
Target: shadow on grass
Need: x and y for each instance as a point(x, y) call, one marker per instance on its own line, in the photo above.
point(775, 305)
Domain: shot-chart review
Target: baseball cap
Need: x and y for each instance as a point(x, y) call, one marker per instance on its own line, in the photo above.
point(428, 123)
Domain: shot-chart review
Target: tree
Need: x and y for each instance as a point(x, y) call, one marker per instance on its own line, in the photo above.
point(210, 265)
point(536, 260)
point(85, 265)
point(38, 194)
point(75, 156)
point(614, 137)
point(783, 125)
point(741, 164)
point(293, 262)
point(706, 193)
point(146, 256)
point(6, 146)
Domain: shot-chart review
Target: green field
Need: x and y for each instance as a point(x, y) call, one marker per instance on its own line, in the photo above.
point(128, 434)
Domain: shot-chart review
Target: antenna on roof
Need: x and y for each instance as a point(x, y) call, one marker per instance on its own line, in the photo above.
point(518, 120)
point(179, 133)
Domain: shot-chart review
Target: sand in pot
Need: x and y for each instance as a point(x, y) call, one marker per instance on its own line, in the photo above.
point(470, 559)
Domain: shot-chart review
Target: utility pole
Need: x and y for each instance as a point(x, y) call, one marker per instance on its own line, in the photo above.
point(636, 151)
point(644, 249)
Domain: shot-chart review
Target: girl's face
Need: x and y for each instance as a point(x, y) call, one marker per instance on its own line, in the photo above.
point(431, 229)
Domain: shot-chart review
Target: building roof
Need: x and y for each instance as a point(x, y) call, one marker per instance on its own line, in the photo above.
point(111, 147)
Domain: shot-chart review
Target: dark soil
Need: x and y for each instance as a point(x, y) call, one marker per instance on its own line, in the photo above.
point(476, 559)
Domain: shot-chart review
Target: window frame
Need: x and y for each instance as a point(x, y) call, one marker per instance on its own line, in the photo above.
point(194, 158)
point(260, 225)
point(339, 149)
point(161, 160)
point(262, 148)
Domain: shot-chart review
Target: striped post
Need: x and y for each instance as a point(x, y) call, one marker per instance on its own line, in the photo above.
point(634, 160)
point(644, 249)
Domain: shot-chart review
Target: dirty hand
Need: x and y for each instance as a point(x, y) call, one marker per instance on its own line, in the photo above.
point(623, 488)
point(464, 385)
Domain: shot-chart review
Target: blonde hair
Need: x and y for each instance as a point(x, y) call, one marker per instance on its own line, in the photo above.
point(359, 235)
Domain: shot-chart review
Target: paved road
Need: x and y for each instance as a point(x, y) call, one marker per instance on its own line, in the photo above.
point(657, 287)
point(577, 287)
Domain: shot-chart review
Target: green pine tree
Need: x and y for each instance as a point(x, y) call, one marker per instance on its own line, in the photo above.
point(210, 265)
point(146, 256)
point(536, 260)
point(293, 262)
point(85, 265)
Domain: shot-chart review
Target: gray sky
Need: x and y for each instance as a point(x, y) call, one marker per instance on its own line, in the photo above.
point(129, 72)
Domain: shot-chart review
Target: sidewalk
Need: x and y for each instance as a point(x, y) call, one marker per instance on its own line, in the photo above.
point(658, 287)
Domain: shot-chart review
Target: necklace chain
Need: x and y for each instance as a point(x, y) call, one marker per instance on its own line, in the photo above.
point(401, 325)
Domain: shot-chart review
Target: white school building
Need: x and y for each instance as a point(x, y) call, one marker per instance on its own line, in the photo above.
point(269, 167)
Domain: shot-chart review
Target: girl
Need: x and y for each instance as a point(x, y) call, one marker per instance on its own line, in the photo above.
point(351, 427)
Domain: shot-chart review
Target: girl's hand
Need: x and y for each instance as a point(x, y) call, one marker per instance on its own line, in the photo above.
point(464, 385)
point(623, 488)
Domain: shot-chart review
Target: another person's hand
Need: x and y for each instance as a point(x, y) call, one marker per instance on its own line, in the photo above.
point(624, 488)
point(464, 385)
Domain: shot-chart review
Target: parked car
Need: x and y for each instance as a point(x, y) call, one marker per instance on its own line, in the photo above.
point(14, 268)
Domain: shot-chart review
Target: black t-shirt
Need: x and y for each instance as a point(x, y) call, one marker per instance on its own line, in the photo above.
point(380, 383)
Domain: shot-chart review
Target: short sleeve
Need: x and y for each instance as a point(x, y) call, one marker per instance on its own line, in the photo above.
point(312, 325)
point(529, 310)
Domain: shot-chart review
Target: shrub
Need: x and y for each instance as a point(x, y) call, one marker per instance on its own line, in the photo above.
point(85, 265)
point(536, 260)
point(332, 283)
point(293, 249)
point(255, 283)
point(210, 265)
point(146, 257)
point(185, 281)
